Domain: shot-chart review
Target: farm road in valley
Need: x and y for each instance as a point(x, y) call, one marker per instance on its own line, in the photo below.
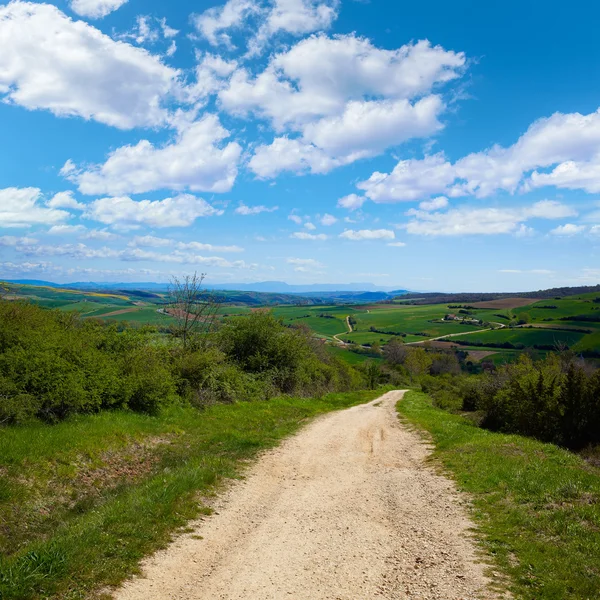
point(346, 509)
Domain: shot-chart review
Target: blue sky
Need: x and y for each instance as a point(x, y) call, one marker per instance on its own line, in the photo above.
point(425, 145)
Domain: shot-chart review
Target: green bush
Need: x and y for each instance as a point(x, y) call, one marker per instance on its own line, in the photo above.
point(53, 364)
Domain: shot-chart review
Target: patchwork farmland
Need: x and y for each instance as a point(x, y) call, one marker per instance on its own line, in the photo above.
point(496, 330)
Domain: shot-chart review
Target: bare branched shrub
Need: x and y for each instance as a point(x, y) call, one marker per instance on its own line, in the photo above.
point(194, 309)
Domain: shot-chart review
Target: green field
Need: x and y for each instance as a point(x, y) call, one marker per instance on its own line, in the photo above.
point(415, 323)
point(526, 336)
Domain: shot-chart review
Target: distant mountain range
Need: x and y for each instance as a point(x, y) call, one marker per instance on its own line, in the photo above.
point(277, 287)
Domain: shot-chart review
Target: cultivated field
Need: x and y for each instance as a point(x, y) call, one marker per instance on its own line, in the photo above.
point(511, 324)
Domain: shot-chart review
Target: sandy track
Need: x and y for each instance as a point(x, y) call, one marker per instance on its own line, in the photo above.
point(347, 509)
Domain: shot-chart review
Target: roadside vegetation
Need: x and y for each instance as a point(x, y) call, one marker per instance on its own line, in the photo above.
point(536, 505)
point(54, 364)
point(114, 427)
point(83, 501)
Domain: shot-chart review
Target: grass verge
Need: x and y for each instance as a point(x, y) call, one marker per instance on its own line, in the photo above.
point(82, 502)
point(537, 506)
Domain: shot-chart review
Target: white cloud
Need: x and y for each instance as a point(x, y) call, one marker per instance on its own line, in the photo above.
point(171, 49)
point(214, 23)
point(567, 143)
point(327, 220)
point(410, 180)
point(70, 68)
point(302, 235)
point(179, 211)
point(80, 251)
point(524, 231)
point(150, 241)
point(397, 244)
point(11, 240)
point(306, 265)
point(180, 257)
point(99, 234)
point(368, 128)
point(243, 209)
point(434, 204)
point(296, 219)
point(345, 98)
point(568, 230)
point(23, 207)
point(168, 32)
point(483, 221)
point(310, 262)
point(310, 226)
point(207, 247)
point(95, 9)
point(368, 234)
point(66, 229)
point(295, 17)
point(65, 200)
point(319, 75)
point(212, 72)
point(285, 154)
point(351, 202)
point(194, 161)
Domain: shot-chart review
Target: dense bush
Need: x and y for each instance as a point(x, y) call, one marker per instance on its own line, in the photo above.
point(554, 400)
point(53, 364)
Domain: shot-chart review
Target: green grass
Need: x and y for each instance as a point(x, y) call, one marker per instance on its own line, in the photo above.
point(352, 358)
point(526, 336)
point(82, 502)
point(537, 506)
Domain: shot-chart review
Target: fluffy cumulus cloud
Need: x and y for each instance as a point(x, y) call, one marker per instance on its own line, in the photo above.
point(294, 17)
point(65, 200)
point(339, 99)
point(483, 221)
point(180, 211)
point(244, 209)
point(410, 180)
point(195, 160)
point(95, 9)
point(51, 62)
point(319, 75)
point(562, 151)
point(215, 23)
point(368, 234)
point(434, 204)
point(24, 207)
point(351, 201)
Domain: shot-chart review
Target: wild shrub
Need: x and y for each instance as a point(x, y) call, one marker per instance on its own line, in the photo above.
point(555, 400)
point(53, 364)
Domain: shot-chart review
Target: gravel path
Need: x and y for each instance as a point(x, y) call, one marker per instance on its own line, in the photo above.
point(345, 510)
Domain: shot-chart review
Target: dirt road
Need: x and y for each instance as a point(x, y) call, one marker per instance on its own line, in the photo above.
point(350, 330)
point(345, 510)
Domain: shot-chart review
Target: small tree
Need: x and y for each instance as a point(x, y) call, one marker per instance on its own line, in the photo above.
point(193, 308)
point(395, 351)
